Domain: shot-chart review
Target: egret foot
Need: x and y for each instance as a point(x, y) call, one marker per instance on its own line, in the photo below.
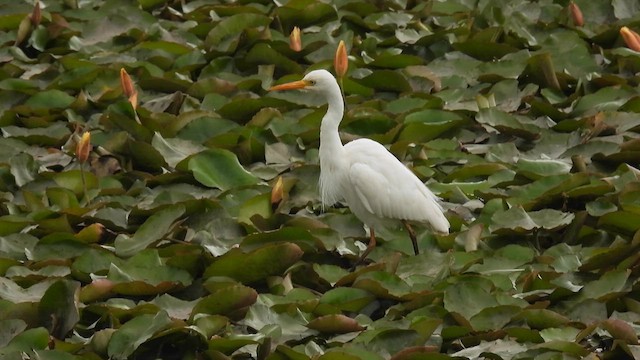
point(370, 246)
point(412, 235)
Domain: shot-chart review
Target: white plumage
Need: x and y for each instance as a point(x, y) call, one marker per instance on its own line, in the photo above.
point(364, 174)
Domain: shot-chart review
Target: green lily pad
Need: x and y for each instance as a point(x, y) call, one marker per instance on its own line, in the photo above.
point(507, 123)
point(536, 169)
point(612, 284)
point(15, 245)
point(23, 168)
point(58, 308)
point(225, 301)
point(625, 221)
point(468, 298)
point(543, 318)
point(347, 299)
point(26, 341)
point(484, 50)
point(386, 80)
point(428, 124)
point(174, 150)
point(334, 324)
point(50, 99)
point(382, 284)
point(221, 169)
point(491, 318)
point(73, 180)
point(256, 265)
point(519, 221)
point(263, 54)
point(156, 226)
point(231, 27)
point(14, 293)
point(146, 274)
point(300, 237)
point(229, 345)
point(135, 332)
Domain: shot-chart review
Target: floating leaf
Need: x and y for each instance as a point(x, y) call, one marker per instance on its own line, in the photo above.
point(256, 265)
point(499, 348)
point(135, 332)
point(543, 318)
point(620, 330)
point(428, 124)
point(335, 324)
point(156, 226)
point(621, 221)
point(50, 99)
point(536, 169)
point(468, 298)
point(232, 27)
point(146, 274)
point(611, 284)
point(23, 169)
point(220, 168)
point(382, 284)
point(225, 301)
point(386, 80)
point(520, 221)
point(507, 123)
point(347, 299)
point(491, 318)
point(76, 181)
point(29, 340)
point(58, 308)
point(174, 150)
point(10, 291)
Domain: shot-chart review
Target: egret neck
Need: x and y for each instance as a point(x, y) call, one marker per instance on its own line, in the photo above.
point(331, 149)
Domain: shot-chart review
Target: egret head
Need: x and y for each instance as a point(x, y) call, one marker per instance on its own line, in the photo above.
point(317, 81)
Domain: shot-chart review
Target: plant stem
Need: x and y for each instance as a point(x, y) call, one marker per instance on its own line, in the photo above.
point(341, 83)
point(84, 183)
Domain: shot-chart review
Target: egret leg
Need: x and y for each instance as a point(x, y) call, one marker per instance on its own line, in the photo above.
point(412, 235)
point(372, 244)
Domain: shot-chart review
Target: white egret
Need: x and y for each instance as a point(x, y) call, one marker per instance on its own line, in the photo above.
point(374, 183)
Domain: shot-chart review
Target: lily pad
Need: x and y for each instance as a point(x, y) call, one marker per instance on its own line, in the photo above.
point(135, 332)
point(335, 324)
point(220, 168)
point(256, 265)
point(519, 221)
point(225, 301)
point(156, 226)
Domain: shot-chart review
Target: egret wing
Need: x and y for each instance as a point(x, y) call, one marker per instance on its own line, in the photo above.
point(387, 189)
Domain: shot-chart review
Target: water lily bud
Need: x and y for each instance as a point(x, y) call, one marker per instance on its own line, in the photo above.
point(576, 14)
point(36, 14)
point(91, 234)
point(24, 29)
point(83, 147)
point(277, 192)
point(98, 289)
point(126, 82)
point(340, 61)
point(99, 342)
point(295, 43)
point(631, 38)
point(127, 88)
point(133, 100)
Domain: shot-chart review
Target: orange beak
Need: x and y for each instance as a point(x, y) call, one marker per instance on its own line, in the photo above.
point(295, 85)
